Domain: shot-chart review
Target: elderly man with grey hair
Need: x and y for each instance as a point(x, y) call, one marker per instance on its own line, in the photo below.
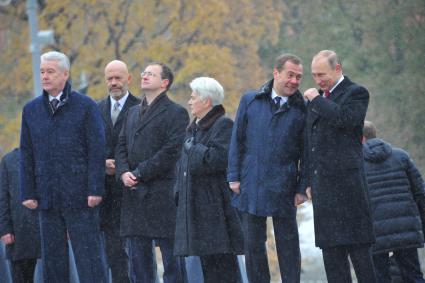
point(207, 225)
point(62, 172)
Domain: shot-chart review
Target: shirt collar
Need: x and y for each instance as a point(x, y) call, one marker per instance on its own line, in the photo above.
point(283, 98)
point(337, 83)
point(58, 97)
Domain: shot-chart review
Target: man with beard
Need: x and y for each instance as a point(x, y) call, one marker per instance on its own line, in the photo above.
point(113, 109)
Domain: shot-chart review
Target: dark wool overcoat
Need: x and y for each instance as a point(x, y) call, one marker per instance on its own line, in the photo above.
point(62, 153)
point(265, 151)
point(15, 218)
point(151, 146)
point(335, 166)
point(111, 203)
point(206, 221)
point(394, 186)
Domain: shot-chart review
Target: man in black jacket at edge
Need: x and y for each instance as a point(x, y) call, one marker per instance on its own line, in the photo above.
point(396, 192)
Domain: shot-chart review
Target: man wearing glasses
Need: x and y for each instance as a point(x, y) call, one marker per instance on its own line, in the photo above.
point(148, 148)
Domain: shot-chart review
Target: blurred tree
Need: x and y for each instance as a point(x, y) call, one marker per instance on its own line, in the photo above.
point(195, 37)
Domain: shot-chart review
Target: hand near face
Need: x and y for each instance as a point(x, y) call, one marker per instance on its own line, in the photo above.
point(311, 94)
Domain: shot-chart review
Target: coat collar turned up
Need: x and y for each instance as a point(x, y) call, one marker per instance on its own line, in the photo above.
point(209, 119)
point(295, 100)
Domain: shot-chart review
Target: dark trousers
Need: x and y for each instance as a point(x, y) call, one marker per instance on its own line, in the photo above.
point(117, 258)
point(337, 265)
point(220, 268)
point(82, 226)
point(23, 270)
point(141, 260)
point(287, 247)
point(407, 261)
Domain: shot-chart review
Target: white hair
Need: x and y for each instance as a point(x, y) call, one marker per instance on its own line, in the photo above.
point(208, 88)
point(59, 57)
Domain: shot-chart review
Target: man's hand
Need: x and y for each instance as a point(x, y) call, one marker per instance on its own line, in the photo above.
point(311, 94)
point(30, 203)
point(129, 179)
point(299, 199)
point(235, 187)
point(110, 167)
point(8, 239)
point(93, 201)
point(308, 192)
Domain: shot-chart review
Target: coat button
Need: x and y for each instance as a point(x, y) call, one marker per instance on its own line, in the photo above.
point(315, 172)
point(313, 149)
point(184, 173)
point(136, 134)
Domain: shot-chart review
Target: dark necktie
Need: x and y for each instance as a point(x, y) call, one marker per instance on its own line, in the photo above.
point(327, 93)
point(54, 103)
point(277, 100)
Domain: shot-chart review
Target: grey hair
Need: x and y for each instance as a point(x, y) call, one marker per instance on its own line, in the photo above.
point(208, 88)
point(331, 57)
point(59, 57)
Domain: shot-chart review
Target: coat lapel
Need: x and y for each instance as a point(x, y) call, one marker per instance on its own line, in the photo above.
point(157, 108)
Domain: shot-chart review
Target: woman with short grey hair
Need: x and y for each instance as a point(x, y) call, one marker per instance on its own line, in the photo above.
point(207, 225)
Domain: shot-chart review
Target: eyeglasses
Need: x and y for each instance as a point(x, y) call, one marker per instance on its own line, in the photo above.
point(148, 74)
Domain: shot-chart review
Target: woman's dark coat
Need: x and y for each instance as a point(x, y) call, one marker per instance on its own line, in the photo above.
point(206, 221)
point(394, 184)
point(15, 218)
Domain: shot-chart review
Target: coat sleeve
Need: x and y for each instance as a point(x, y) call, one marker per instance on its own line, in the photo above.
point(237, 142)
point(96, 149)
point(26, 171)
point(121, 161)
point(5, 212)
point(349, 114)
point(165, 159)
point(416, 181)
point(211, 158)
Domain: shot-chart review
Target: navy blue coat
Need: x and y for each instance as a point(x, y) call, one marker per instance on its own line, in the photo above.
point(62, 153)
point(265, 151)
point(334, 130)
point(15, 218)
point(394, 186)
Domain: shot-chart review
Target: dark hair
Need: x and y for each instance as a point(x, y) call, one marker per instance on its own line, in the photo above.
point(166, 73)
point(369, 130)
point(282, 59)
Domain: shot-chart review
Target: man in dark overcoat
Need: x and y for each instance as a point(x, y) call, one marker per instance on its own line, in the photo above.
point(264, 155)
point(62, 172)
point(19, 229)
point(337, 183)
point(113, 109)
point(147, 151)
point(397, 196)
